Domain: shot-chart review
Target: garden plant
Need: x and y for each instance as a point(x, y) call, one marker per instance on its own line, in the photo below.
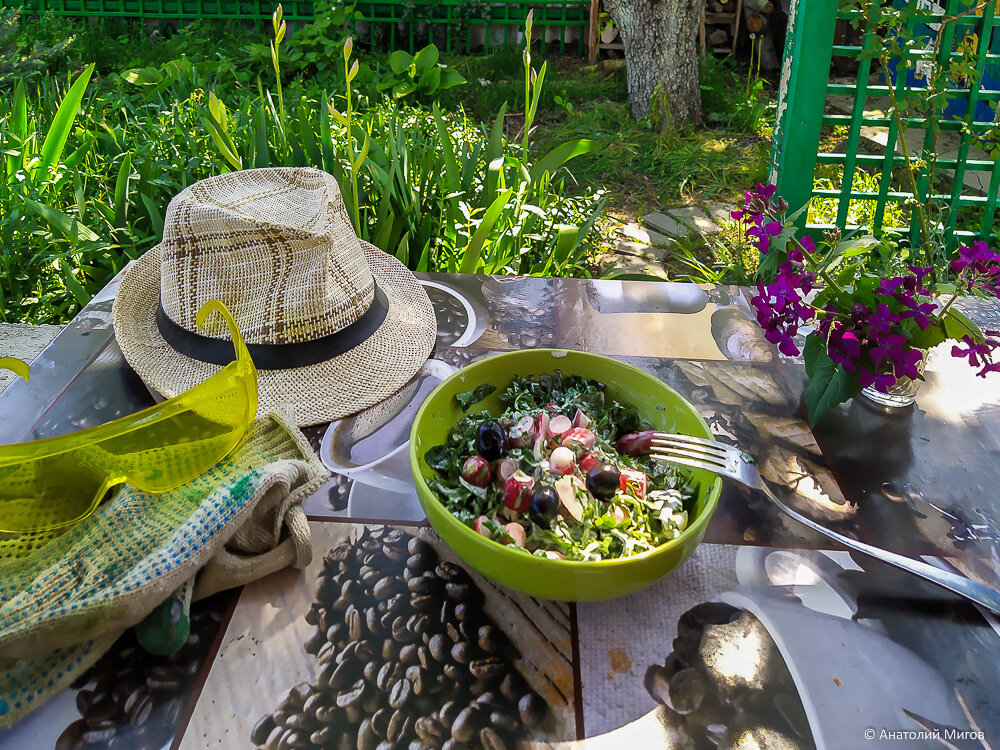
point(457, 177)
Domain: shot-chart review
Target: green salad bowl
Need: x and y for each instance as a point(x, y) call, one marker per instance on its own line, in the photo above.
point(565, 580)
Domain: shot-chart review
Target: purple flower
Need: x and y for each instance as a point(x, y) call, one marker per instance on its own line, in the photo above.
point(978, 265)
point(780, 309)
point(764, 233)
point(798, 256)
point(980, 353)
point(880, 322)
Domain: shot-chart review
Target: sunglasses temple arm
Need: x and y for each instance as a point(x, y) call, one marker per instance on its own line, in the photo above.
point(214, 305)
point(15, 365)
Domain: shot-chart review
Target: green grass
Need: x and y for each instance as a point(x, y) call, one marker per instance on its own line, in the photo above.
point(642, 169)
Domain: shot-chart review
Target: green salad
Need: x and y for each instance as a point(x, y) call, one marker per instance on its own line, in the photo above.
point(564, 472)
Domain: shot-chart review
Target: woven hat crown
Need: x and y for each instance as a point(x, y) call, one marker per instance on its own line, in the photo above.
point(274, 245)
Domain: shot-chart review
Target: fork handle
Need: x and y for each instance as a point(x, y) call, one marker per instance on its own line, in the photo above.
point(957, 584)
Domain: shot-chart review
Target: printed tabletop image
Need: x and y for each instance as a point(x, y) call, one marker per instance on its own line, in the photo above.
point(387, 638)
point(751, 647)
point(687, 321)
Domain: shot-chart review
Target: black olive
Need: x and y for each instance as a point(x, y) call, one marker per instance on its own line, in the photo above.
point(491, 440)
point(603, 481)
point(544, 505)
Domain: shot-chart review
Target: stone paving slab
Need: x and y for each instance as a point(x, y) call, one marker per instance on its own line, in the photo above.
point(24, 342)
point(720, 213)
point(640, 250)
point(646, 236)
point(682, 222)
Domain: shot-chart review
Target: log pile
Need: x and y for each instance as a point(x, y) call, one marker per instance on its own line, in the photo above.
point(720, 26)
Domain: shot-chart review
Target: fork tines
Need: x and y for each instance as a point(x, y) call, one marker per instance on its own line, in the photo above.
point(690, 451)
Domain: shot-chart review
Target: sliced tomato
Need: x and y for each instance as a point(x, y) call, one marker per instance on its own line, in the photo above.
point(635, 480)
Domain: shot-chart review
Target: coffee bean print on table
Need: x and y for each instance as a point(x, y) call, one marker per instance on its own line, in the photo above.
point(452, 317)
point(521, 314)
point(132, 699)
point(386, 639)
point(719, 706)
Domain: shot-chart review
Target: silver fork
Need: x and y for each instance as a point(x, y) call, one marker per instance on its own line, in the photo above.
point(733, 463)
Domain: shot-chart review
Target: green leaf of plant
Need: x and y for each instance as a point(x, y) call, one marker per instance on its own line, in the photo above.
point(62, 123)
point(19, 113)
point(794, 215)
point(475, 248)
point(494, 148)
point(957, 325)
point(262, 153)
point(155, 217)
point(450, 78)
point(448, 150)
point(19, 129)
point(82, 150)
point(781, 241)
point(425, 59)
point(364, 152)
point(828, 385)
point(405, 88)
point(79, 293)
point(857, 246)
point(222, 141)
point(430, 80)
point(64, 224)
point(143, 76)
point(424, 262)
point(560, 155)
point(121, 191)
point(399, 61)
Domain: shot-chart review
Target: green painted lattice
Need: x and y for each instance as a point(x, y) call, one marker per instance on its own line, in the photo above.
point(805, 85)
point(454, 19)
point(394, 20)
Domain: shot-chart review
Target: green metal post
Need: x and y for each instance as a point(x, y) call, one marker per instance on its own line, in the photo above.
point(801, 98)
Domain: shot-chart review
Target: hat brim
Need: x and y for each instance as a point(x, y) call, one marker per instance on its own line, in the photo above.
point(328, 390)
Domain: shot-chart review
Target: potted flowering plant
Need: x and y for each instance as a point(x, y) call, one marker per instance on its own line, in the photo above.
point(873, 309)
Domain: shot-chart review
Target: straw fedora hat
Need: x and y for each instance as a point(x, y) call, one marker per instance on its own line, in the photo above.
point(334, 324)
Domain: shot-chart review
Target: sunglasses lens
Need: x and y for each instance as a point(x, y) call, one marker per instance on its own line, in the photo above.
point(207, 422)
point(48, 492)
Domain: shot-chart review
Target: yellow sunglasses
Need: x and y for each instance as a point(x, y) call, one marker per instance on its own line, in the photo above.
point(54, 482)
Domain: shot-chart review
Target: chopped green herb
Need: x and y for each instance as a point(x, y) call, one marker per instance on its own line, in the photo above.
point(468, 398)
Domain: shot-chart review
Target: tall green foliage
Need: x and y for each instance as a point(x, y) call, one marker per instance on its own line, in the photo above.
point(435, 191)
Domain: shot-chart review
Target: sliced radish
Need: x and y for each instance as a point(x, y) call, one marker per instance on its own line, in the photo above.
point(636, 443)
point(541, 424)
point(522, 433)
point(579, 438)
point(504, 471)
point(619, 514)
point(476, 471)
point(516, 532)
point(562, 460)
point(580, 419)
point(588, 462)
point(566, 490)
point(480, 527)
point(517, 491)
point(559, 424)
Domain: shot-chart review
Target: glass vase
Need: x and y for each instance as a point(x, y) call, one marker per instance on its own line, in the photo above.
point(900, 394)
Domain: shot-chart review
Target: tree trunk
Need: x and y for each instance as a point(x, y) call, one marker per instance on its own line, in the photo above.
point(661, 56)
